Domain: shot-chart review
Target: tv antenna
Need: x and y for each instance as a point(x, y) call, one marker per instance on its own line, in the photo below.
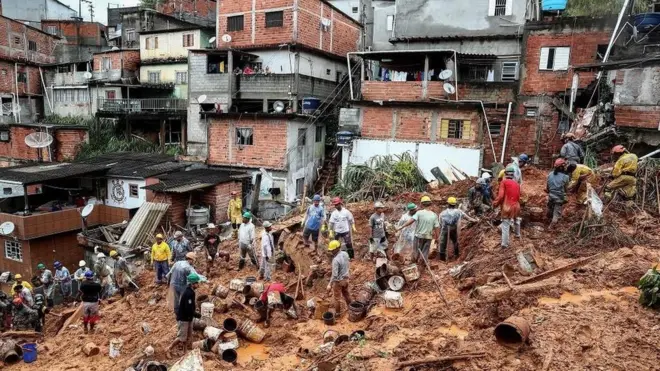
point(38, 139)
point(449, 88)
point(278, 106)
point(86, 211)
point(7, 228)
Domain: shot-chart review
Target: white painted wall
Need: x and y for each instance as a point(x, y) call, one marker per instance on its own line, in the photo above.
point(170, 44)
point(284, 62)
point(347, 6)
point(428, 155)
point(119, 194)
point(302, 160)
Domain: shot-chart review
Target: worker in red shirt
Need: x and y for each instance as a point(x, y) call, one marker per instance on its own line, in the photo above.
point(509, 198)
point(274, 297)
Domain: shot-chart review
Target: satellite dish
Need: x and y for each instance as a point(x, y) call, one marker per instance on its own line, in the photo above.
point(446, 74)
point(87, 210)
point(114, 48)
point(278, 106)
point(212, 40)
point(449, 88)
point(201, 98)
point(6, 228)
point(39, 139)
point(226, 38)
point(87, 75)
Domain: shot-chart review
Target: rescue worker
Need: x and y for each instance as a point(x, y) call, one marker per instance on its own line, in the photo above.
point(79, 275)
point(177, 277)
point(40, 307)
point(102, 273)
point(48, 283)
point(488, 188)
point(341, 223)
point(24, 294)
point(90, 293)
point(287, 302)
point(24, 318)
point(267, 252)
point(378, 240)
point(450, 220)
point(581, 175)
point(556, 187)
point(571, 151)
point(160, 258)
point(63, 278)
point(340, 275)
point(180, 246)
point(19, 281)
point(407, 237)
point(624, 174)
point(509, 197)
point(314, 218)
point(211, 243)
point(516, 163)
point(246, 241)
point(185, 314)
point(6, 308)
point(478, 201)
point(426, 229)
point(121, 272)
point(234, 211)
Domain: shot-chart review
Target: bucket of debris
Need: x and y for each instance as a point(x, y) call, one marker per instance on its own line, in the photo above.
point(512, 332)
point(212, 333)
point(115, 347)
point(396, 283)
point(229, 341)
point(411, 273)
point(250, 331)
point(237, 284)
point(221, 291)
point(356, 311)
point(393, 299)
point(206, 310)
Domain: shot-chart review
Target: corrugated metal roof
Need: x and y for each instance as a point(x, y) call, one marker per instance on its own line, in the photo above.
point(37, 173)
point(141, 228)
point(136, 165)
point(185, 181)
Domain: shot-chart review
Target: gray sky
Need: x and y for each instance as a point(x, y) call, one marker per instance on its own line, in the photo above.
point(100, 7)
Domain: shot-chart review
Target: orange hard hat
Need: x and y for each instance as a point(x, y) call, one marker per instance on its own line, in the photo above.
point(17, 301)
point(336, 201)
point(618, 149)
point(560, 162)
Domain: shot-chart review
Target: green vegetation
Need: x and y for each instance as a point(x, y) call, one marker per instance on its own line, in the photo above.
point(649, 287)
point(149, 3)
point(68, 120)
point(599, 8)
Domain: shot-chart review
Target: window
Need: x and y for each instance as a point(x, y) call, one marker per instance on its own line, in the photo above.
point(130, 34)
point(4, 136)
point(235, 23)
point(390, 22)
point(302, 137)
point(71, 95)
point(354, 9)
point(554, 59)
point(133, 190)
point(244, 136)
point(110, 94)
point(474, 72)
point(495, 128)
point(531, 111)
point(456, 129)
point(600, 52)
point(509, 71)
point(152, 43)
point(64, 69)
point(274, 19)
point(7, 191)
point(106, 64)
point(300, 187)
point(52, 30)
point(500, 7)
point(216, 64)
point(172, 133)
point(32, 46)
point(22, 77)
point(318, 138)
point(17, 40)
point(154, 77)
point(188, 40)
point(13, 250)
point(182, 78)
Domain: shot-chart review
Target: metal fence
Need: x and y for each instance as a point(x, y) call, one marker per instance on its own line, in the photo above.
point(142, 105)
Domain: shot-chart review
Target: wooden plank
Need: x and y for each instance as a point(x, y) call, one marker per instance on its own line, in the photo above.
point(108, 236)
point(556, 271)
point(74, 317)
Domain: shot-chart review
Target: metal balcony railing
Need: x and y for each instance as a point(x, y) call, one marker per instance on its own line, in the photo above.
point(142, 105)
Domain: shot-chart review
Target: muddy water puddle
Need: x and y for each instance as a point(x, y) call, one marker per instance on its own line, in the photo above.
point(567, 297)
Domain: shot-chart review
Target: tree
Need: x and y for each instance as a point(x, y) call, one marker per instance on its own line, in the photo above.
point(149, 3)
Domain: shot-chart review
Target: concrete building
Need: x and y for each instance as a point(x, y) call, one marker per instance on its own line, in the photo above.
point(79, 40)
point(32, 12)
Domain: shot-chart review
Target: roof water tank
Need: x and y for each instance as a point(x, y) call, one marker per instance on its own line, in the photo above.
point(310, 105)
point(550, 5)
point(646, 22)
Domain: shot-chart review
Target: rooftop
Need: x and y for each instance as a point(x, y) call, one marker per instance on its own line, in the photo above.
point(37, 173)
point(136, 165)
point(182, 29)
point(186, 181)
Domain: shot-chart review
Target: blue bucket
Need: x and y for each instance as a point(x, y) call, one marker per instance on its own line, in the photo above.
point(29, 352)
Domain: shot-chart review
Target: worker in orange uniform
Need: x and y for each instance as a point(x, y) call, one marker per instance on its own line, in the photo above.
point(509, 197)
point(235, 212)
point(581, 175)
point(624, 174)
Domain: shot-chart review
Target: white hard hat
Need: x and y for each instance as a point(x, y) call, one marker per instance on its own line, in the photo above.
point(100, 255)
point(178, 234)
point(210, 225)
point(486, 176)
point(378, 204)
point(267, 224)
point(82, 263)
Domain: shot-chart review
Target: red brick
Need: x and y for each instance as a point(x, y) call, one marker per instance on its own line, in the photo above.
point(642, 117)
point(128, 60)
point(200, 8)
point(75, 33)
point(65, 146)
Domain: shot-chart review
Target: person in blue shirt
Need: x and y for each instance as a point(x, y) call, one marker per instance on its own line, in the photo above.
point(313, 220)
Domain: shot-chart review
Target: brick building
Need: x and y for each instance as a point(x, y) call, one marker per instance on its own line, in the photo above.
point(65, 146)
point(201, 12)
point(79, 40)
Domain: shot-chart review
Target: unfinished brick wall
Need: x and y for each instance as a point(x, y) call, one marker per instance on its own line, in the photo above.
point(62, 247)
point(341, 35)
point(76, 33)
point(416, 124)
point(65, 146)
point(176, 213)
point(412, 91)
point(68, 143)
point(15, 38)
point(268, 148)
point(126, 60)
point(200, 8)
point(218, 198)
point(583, 42)
point(29, 79)
point(642, 117)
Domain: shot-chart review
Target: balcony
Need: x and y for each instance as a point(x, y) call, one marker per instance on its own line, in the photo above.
point(281, 86)
point(413, 91)
point(151, 105)
point(70, 78)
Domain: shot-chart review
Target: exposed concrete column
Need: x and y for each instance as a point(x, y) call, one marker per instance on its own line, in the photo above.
point(296, 84)
point(425, 80)
point(230, 79)
point(265, 105)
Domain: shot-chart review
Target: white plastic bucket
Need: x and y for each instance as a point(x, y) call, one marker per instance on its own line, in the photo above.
point(212, 333)
point(115, 347)
point(206, 310)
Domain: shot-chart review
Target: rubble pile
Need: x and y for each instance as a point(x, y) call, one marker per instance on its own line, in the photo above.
point(573, 296)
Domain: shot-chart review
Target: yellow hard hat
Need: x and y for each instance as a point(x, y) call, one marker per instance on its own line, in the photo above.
point(159, 236)
point(501, 174)
point(426, 199)
point(18, 276)
point(452, 200)
point(333, 245)
point(113, 253)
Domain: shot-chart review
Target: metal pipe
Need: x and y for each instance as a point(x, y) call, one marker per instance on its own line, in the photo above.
point(506, 133)
point(614, 35)
point(17, 112)
point(350, 77)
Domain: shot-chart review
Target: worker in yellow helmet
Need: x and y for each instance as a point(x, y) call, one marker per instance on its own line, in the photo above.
point(160, 258)
point(426, 229)
point(581, 175)
point(624, 174)
point(341, 264)
point(19, 281)
point(450, 220)
point(235, 211)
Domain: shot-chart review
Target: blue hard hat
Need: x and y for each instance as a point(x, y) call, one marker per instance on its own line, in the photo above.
point(89, 274)
point(523, 157)
point(316, 198)
point(57, 264)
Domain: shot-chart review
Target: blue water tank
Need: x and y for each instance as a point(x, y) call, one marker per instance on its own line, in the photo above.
point(550, 5)
point(310, 105)
point(646, 22)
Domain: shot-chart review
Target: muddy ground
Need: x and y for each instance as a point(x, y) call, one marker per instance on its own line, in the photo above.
point(587, 318)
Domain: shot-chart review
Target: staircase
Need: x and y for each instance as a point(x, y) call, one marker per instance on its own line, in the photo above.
point(328, 175)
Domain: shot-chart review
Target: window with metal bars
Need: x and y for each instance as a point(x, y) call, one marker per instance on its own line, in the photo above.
point(455, 129)
point(235, 23)
point(274, 19)
point(188, 40)
point(474, 72)
point(500, 7)
point(154, 77)
point(13, 250)
point(509, 71)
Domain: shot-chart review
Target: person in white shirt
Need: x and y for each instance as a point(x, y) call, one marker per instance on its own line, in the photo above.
point(246, 240)
point(341, 223)
point(267, 252)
